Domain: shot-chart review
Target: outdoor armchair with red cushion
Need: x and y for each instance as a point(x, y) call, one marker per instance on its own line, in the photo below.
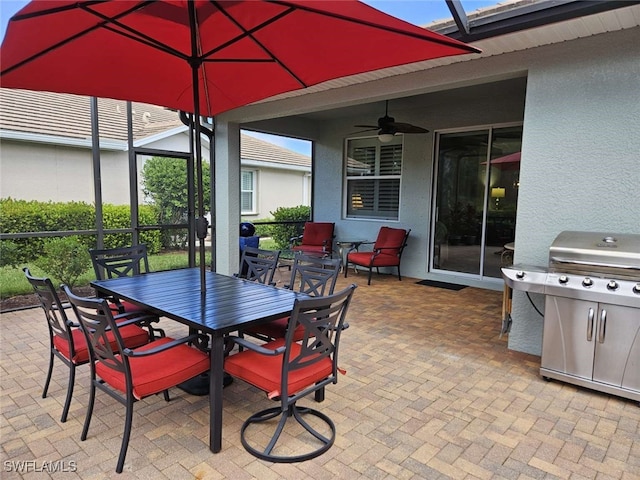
point(287, 371)
point(387, 251)
point(317, 238)
point(130, 374)
point(66, 340)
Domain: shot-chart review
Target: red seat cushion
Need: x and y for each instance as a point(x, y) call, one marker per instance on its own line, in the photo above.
point(277, 329)
point(380, 260)
point(127, 306)
point(265, 372)
point(157, 372)
point(311, 248)
point(132, 335)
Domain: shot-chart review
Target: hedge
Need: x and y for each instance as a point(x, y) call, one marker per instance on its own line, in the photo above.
point(21, 216)
point(283, 233)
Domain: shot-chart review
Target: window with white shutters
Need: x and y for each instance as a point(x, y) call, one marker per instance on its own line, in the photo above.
point(373, 173)
point(247, 191)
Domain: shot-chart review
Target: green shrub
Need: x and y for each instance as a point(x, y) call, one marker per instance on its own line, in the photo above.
point(65, 259)
point(9, 253)
point(119, 216)
point(281, 234)
point(21, 216)
point(263, 230)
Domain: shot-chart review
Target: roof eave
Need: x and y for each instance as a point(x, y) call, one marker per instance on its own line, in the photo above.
point(526, 17)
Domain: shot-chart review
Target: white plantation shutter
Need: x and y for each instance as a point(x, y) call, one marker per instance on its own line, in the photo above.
point(373, 174)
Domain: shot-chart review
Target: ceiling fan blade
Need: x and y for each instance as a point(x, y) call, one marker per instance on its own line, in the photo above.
point(373, 127)
point(363, 131)
point(407, 128)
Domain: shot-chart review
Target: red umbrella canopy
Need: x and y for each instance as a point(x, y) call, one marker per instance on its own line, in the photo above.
point(238, 52)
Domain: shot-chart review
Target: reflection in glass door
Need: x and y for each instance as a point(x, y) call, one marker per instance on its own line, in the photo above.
point(475, 200)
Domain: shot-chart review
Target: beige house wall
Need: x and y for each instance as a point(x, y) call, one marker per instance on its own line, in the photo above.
point(279, 188)
point(43, 172)
point(48, 172)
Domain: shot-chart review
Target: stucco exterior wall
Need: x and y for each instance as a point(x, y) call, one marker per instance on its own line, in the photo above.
point(580, 166)
point(278, 188)
point(47, 172)
point(33, 171)
point(448, 110)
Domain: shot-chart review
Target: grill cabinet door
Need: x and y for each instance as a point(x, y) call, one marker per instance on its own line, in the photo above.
point(617, 357)
point(568, 339)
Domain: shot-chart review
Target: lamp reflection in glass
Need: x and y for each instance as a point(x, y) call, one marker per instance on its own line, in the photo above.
point(385, 137)
point(498, 193)
point(356, 201)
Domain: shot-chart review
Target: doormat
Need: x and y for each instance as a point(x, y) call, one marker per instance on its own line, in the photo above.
point(448, 286)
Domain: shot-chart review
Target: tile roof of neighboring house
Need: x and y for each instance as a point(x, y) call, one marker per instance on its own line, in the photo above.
point(255, 149)
point(69, 116)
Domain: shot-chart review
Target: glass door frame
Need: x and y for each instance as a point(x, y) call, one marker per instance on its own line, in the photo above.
point(489, 128)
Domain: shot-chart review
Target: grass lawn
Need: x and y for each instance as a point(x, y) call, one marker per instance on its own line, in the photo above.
point(13, 281)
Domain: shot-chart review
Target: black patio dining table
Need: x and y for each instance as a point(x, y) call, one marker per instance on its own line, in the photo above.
point(226, 305)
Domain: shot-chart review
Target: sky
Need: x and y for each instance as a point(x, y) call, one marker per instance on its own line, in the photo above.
point(418, 12)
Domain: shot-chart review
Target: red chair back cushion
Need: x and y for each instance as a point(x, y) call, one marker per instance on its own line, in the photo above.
point(390, 239)
point(317, 233)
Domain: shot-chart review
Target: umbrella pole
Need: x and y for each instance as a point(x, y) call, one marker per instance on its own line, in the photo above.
point(201, 223)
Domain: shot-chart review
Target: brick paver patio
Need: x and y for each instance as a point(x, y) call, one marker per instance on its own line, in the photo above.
point(431, 392)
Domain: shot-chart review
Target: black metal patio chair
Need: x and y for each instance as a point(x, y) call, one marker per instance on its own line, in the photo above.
point(258, 265)
point(312, 275)
point(289, 371)
point(131, 374)
point(124, 262)
point(66, 341)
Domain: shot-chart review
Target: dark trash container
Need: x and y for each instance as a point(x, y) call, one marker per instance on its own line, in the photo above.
point(247, 239)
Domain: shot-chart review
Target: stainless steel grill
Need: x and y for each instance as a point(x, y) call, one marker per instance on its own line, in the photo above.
point(592, 310)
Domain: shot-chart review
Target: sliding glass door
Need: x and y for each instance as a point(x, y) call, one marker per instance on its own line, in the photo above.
point(475, 197)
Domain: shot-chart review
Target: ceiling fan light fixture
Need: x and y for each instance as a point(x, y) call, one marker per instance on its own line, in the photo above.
point(385, 137)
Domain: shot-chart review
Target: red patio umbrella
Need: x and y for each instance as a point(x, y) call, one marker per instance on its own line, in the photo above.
point(204, 56)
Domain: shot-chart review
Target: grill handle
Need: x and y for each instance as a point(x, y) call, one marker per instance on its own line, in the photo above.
point(590, 318)
point(603, 325)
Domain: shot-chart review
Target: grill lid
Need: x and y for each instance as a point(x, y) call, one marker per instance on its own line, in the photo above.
point(596, 253)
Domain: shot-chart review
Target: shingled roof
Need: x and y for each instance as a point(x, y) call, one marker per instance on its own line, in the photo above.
point(259, 150)
point(69, 116)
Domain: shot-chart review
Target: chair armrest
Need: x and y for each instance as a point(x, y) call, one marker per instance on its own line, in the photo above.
point(294, 240)
point(124, 319)
point(65, 306)
point(345, 325)
point(379, 250)
point(166, 346)
point(257, 348)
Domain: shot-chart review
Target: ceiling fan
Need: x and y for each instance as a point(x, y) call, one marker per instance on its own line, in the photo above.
point(387, 127)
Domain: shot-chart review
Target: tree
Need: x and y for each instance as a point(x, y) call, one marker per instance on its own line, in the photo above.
point(164, 183)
